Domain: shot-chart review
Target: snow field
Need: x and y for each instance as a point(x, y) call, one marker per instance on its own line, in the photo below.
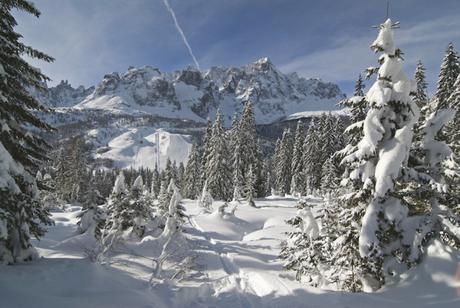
point(237, 266)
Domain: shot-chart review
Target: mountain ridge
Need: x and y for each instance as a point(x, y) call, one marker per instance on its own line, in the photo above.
point(196, 95)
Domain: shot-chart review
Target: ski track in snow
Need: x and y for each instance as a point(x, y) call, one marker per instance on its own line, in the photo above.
point(239, 255)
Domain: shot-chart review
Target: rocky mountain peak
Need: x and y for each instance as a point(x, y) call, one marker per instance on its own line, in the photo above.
point(196, 95)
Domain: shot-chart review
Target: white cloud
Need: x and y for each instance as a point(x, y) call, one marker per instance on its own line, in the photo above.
point(351, 55)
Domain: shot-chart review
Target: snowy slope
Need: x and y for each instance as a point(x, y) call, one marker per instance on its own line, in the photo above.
point(238, 268)
point(196, 95)
point(137, 147)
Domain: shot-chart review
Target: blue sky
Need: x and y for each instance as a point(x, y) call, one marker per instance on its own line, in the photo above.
point(328, 39)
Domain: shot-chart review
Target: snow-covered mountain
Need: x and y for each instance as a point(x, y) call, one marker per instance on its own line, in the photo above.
point(120, 116)
point(196, 95)
point(64, 95)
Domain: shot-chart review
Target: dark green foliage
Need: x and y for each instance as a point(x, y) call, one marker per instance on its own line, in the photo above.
point(21, 147)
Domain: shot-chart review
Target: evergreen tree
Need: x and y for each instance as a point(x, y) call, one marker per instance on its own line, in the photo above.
point(234, 132)
point(311, 159)
point(128, 212)
point(284, 163)
point(117, 218)
point(379, 158)
point(328, 138)
point(63, 184)
point(175, 208)
point(452, 131)
point(329, 176)
point(206, 150)
point(169, 172)
point(359, 87)
point(250, 187)
point(218, 171)
point(297, 166)
point(450, 70)
point(260, 172)
point(238, 179)
point(78, 172)
point(156, 183)
point(247, 137)
point(205, 200)
point(420, 95)
point(164, 197)
point(180, 174)
point(22, 215)
point(192, 175)
point(92, 217)
point(300, 251)
point(338, 131)
point(358, 108)
point(140, 208)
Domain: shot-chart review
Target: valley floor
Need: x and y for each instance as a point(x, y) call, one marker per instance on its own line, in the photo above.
point(237, 266)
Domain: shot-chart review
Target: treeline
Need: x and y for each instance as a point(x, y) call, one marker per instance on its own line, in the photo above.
point(69, 178)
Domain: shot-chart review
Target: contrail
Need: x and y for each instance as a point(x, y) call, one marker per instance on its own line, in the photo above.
point(179, 29)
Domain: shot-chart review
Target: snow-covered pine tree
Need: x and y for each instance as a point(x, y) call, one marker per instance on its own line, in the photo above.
point(117, 218)
point(269, 185)
point(156, 183)
point(358, 107)
point(192, 175)
point(431, 187)
point(63, 185)
point(420, 95)
point(250, 187)
point(92, 217)
point(140, 208)
point(450, 69)
point(247, 137)
point(176, 202)
point(260, 171)
point(169, 172)
point(302, 249)
point(297, 185)
point(180, 174)
point(128, 213)
point(359, 87)
point(311, 159)
point(233, 133)
point(380, 157)
point(452, 132)
point(338, 131)
point(433, 177)
point(329, 177)
point(205, 200)
point(284, 163)
point(218, 172)
point(21, 148)
point(49, 194)
point(328, 137)
point(164, 198)
point(175, 248)
point(275, 159)
point(206, 148)
point(238, 180)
